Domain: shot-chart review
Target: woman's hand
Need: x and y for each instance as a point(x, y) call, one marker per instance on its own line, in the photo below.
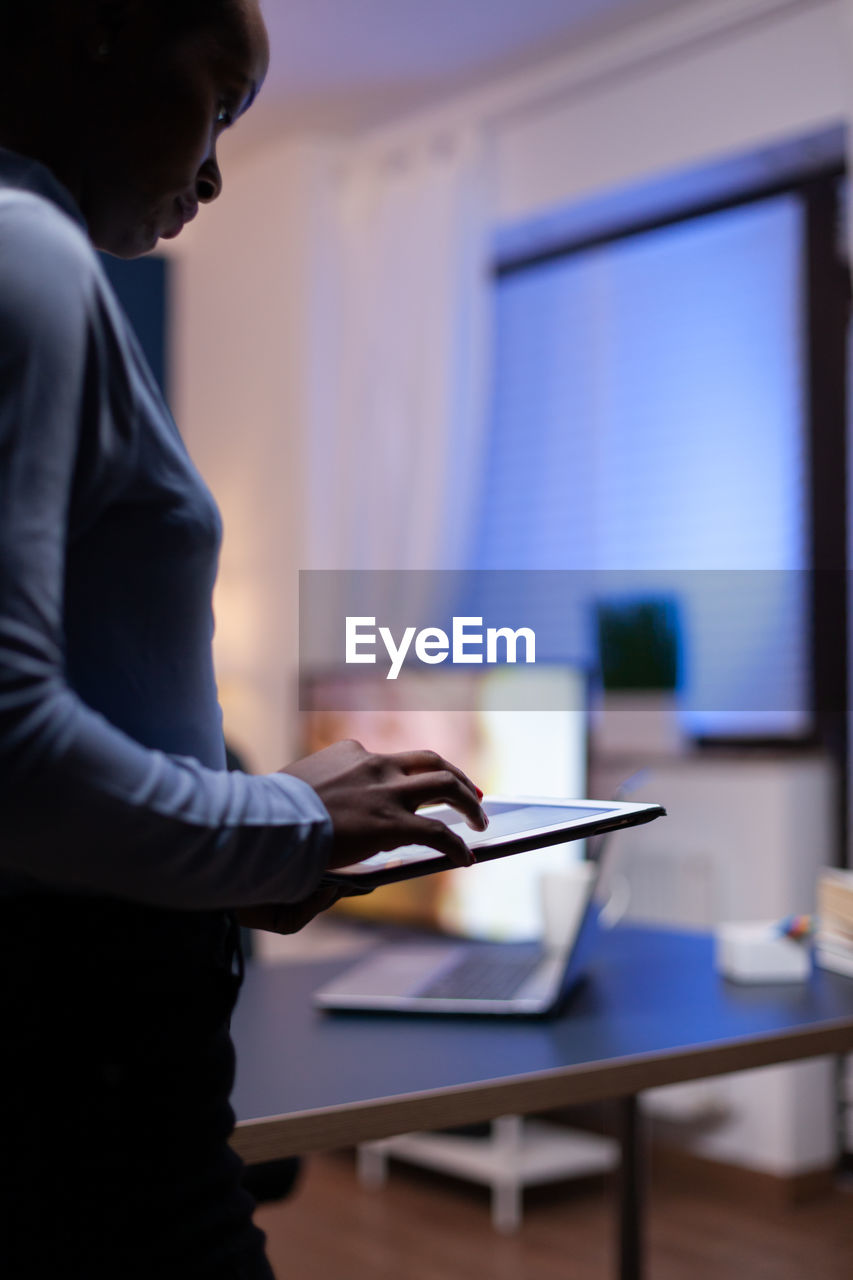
point(372, 800)
point(289, 917)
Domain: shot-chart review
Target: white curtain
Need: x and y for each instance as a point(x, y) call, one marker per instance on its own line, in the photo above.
point(395, 439)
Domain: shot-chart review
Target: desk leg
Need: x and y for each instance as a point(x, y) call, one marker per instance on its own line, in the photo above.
point(631, 1187)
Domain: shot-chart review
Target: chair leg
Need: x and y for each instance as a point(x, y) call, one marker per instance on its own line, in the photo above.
point(507, 1190)
point(371, 1166)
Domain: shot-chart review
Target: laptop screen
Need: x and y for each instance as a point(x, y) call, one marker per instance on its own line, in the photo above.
point(539, 752)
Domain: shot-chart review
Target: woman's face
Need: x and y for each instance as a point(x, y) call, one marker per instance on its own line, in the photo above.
point(156, 112)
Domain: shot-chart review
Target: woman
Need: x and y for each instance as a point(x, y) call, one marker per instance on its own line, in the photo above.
point(125, 846)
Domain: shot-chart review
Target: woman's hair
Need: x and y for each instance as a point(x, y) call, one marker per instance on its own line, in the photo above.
point(22, 20)
point(182, 15)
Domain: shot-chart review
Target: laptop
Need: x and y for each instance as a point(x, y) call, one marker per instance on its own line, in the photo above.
point(463, 977)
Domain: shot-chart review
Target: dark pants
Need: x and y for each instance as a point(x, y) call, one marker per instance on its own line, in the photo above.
point(117, 1068)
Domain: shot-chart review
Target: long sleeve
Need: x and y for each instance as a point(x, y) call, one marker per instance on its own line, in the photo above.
point(84, 806)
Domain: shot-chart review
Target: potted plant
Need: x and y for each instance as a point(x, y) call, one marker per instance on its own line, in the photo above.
point(639, 648)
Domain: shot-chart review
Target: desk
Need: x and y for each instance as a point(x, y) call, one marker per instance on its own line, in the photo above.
point(652, 1012)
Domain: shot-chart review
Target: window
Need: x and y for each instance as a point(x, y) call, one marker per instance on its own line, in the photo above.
point(651, 423)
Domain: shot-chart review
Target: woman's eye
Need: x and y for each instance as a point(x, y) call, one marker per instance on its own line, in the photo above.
point(224, 116)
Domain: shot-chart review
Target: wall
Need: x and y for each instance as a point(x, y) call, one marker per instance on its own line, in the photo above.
point(243, 292)
point(729, 89)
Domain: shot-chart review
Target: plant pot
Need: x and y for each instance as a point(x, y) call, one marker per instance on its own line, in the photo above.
point(638, 722)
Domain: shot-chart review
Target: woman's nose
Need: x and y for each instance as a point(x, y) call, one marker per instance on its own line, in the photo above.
point(208, 184)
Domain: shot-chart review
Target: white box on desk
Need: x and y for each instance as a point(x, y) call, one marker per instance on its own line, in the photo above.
point(753, 952)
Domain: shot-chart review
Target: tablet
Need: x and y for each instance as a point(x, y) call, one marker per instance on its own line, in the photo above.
point(516, 825)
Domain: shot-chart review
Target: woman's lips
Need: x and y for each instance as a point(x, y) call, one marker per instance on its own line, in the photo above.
point(185, 212)
point(173, 231)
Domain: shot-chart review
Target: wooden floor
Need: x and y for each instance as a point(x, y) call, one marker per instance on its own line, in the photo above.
point(421, 1227)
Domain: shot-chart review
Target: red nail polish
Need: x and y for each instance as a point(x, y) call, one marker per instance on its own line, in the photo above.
point(479, 792)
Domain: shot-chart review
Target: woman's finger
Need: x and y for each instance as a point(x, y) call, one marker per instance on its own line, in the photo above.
point(443, 787)
point(437, 835)
point(416, 762)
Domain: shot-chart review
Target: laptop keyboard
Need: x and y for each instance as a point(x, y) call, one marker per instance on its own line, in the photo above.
point(489, 973)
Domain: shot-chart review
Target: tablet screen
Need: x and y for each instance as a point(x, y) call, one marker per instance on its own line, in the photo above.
point(506, 818)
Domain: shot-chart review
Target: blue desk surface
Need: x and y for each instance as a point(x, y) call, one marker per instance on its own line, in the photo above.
point(652, 1011)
